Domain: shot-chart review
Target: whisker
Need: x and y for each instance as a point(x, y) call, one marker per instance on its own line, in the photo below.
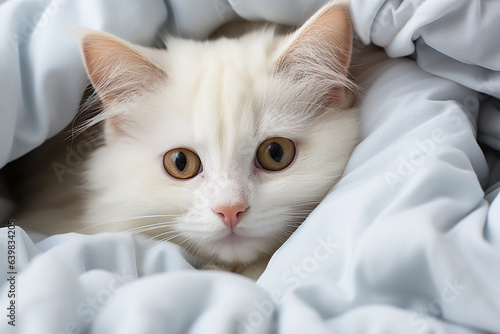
point(162, 241)
point(149, 227)
point(304, 203)
point(125, 219)
point(166, 233)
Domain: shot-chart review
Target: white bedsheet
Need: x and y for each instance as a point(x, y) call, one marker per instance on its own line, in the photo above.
point(407, 242)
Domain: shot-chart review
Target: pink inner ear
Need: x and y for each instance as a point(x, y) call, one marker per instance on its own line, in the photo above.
point(329, 30)
point(115, 68)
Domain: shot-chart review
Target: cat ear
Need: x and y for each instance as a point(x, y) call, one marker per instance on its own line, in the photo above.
point(116, 69)
point(320, 53)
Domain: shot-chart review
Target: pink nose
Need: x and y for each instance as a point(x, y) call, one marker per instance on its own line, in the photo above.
point(230, 213)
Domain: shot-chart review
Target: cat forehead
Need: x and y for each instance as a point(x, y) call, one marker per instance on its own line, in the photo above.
point(225, 92)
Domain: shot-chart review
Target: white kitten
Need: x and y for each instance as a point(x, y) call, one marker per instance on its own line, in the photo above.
point(223, 146)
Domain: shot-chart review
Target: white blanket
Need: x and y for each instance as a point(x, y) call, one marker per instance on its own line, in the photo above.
point(407, 242)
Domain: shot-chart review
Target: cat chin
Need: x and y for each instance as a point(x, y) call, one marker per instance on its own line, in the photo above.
point(234, 250)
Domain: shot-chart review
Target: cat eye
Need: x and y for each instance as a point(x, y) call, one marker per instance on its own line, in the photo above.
point(181, 163)
point(276, 153)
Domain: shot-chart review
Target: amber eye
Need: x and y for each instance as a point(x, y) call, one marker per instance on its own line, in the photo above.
point(181, 163)
point(276, 153)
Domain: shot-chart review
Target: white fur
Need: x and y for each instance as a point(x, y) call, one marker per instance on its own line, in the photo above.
point(221, 99)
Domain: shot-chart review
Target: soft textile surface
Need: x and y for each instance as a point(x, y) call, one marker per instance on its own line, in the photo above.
point(407, 242)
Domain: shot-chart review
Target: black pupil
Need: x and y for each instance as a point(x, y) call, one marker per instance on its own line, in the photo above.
point(275, 151)
point(180, 161)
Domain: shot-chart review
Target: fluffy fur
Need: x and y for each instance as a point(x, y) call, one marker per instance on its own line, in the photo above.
point(220, 98)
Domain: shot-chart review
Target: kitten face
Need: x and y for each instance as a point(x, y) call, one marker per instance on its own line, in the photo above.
point(218, 101)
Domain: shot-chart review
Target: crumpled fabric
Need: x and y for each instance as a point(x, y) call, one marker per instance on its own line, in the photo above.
point(407, 242)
